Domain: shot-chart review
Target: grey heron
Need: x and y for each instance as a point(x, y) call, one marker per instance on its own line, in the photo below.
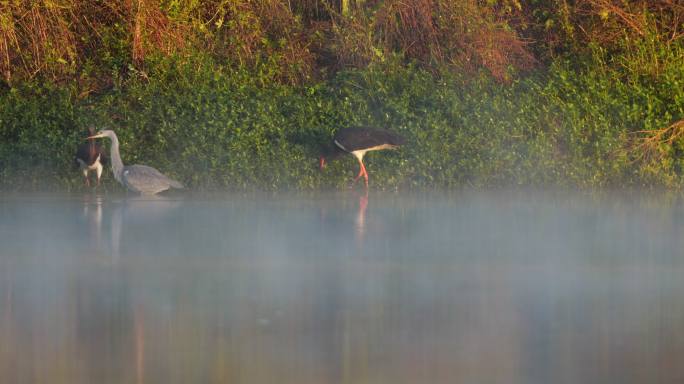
point(358, 141)
point(90, 156)
point(137, 178)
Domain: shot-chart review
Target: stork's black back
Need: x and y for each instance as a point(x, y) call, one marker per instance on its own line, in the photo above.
point(360, 138)
point(89, 151)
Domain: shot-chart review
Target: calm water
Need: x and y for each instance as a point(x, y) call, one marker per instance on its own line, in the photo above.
point(465, 288)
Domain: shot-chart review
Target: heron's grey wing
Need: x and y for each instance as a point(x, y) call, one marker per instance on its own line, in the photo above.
point(144, 178)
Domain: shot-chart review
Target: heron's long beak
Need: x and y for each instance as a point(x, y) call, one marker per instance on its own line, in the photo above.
point(94, 136)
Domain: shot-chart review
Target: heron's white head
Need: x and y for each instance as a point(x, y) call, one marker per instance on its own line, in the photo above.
point(104, 133)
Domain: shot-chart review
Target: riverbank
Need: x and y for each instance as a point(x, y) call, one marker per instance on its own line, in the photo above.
point(215, 128)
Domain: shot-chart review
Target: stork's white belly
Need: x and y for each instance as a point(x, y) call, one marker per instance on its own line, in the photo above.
point(92, 167)
point(362, 152)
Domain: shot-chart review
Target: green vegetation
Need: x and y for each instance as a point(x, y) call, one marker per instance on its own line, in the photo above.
point(241, 94)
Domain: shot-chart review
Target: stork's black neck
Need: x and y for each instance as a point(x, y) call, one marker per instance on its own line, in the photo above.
point(332, 151)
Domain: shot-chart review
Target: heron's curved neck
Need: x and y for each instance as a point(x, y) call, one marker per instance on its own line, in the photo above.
point(117, 164)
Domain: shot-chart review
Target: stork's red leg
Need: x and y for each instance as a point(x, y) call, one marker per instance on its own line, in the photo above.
point(365, 174)
point(362, 171)
point(87, 181)
point(357, 177)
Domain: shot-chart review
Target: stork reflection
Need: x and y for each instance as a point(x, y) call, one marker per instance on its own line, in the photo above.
point(361, 218)
point(7, 307)
point(92, 213)
point(139, 345)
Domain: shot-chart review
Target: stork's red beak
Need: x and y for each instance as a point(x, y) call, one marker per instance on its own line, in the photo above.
point(322, 163)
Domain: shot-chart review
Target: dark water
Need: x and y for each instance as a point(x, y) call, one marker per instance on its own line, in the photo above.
point(466, 288)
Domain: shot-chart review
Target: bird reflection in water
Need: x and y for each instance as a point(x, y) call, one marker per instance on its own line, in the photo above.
point(94, 210)
point(139, 345)
point(115, 232)
point(92, 213)
point(110, 298)
point(138, 214)
point(361, 217)
point(7, 306)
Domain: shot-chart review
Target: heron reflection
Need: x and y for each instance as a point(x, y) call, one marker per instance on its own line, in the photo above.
point(134, 215)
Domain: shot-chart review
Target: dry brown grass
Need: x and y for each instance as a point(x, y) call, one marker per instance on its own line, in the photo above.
point(151, 30)
point(462, 34)
point(608, 20)
point(36, 37)
point(250, 32)
point(636, 31)
point(53, 39)
point(653, 145)
point(57, 39)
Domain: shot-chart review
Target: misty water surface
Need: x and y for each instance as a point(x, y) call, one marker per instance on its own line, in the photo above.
point(506, 287)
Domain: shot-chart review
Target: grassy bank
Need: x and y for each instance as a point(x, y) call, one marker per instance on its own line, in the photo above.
point(215, 127)
point(241, 94)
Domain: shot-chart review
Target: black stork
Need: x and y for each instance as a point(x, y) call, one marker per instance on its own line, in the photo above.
point(91, 156)
point(358, 141)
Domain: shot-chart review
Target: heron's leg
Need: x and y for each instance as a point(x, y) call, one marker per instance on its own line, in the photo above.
point(85, 176)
